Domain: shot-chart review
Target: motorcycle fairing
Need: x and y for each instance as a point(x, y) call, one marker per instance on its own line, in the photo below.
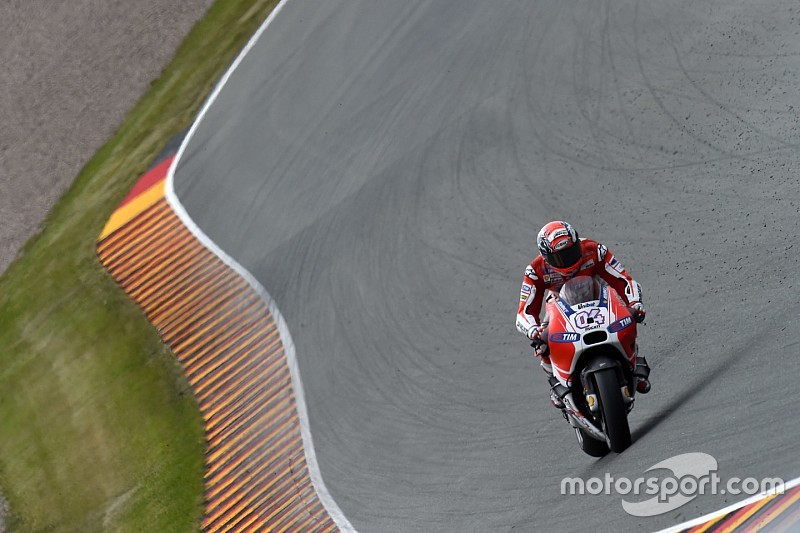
point(571, 323)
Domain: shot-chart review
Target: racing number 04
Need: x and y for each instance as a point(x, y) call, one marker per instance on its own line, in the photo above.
point(592, 317)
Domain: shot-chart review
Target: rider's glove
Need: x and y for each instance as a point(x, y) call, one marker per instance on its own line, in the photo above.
point(541, 350)
point(637, 309)
point(536, 334)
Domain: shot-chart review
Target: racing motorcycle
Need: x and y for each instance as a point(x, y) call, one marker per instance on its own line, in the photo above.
point(592, 339)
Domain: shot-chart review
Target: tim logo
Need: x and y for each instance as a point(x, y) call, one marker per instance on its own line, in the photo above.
point(565, 337)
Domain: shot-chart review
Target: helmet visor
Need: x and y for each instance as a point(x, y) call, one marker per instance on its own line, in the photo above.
point(564, 258)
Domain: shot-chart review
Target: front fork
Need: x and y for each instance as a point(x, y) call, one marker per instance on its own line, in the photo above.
point(590, 392)
point(573, 413)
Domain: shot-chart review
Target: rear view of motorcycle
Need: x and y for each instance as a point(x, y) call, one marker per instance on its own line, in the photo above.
point(592, 339)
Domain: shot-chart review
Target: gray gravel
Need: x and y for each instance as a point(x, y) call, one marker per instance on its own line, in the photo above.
point(382, 167)
point(70, 71)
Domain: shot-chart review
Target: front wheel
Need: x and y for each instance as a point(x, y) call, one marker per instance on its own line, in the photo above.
point(612, 410)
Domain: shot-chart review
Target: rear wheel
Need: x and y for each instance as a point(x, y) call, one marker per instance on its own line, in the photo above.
point(612, 410)
point(590, 446)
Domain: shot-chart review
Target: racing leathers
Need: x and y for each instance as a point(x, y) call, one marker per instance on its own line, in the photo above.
point(596, 260)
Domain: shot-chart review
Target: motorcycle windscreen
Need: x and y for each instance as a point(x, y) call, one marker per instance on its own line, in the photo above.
point(580, 289)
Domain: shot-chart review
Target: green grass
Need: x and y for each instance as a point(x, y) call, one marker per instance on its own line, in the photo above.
point(98, 428)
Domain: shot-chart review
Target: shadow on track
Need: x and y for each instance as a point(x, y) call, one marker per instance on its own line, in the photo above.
point(696, 387)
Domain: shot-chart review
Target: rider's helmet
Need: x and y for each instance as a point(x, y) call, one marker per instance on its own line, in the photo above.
point(560, 247)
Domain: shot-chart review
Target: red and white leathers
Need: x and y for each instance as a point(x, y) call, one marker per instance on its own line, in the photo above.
point(596, 260)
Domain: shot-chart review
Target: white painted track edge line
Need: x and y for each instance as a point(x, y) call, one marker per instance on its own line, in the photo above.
point(291, 356)
point(729, 509)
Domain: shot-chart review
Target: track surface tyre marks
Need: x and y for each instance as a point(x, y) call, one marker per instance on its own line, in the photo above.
point(382, 169)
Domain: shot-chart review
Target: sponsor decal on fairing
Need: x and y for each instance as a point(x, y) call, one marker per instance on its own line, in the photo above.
point(566, 309)
point(565, 337)
point(620, 324)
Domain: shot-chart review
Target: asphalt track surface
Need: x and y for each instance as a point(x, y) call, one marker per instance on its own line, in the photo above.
point(382, 168)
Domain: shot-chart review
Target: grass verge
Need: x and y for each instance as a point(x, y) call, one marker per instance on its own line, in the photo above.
point(98, 428)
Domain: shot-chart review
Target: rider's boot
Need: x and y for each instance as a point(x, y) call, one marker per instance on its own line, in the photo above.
point(642, 373)
point(542, 351)
point(557, 391)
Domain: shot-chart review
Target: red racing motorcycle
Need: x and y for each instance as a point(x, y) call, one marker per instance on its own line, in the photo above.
point(592, 339)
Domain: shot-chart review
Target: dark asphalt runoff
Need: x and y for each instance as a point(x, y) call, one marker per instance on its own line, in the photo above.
point(382, 168)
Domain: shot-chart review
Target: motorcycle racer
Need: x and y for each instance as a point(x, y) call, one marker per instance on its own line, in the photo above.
point(563, 255)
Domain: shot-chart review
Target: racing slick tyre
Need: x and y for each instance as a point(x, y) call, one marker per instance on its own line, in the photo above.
point(612, 410)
